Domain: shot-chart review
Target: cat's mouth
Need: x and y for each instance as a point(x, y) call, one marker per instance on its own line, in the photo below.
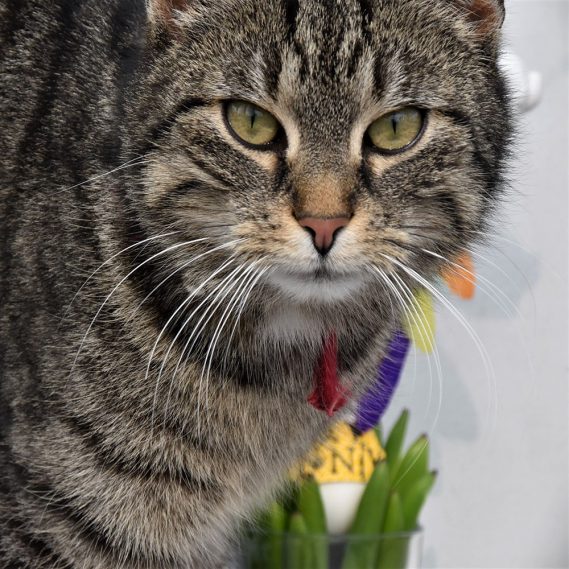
point(317, 285)
point(321, 274)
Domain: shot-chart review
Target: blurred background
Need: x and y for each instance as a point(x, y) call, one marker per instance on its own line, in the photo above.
point(500, 436)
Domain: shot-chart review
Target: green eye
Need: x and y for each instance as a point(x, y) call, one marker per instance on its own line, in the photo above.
point(251, 124)
point(397, 131)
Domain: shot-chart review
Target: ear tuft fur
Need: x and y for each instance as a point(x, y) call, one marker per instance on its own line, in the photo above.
point(161, 12)
point(486, 15)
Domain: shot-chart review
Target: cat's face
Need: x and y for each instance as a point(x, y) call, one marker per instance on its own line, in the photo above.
point(314, 158)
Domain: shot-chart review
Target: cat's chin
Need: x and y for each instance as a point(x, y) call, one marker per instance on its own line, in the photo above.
point(313, 287)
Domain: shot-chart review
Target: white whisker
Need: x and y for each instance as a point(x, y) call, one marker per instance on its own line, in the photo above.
point(508, 278)
point(222, 294)
point(181, 268)
point(130, 163)
point(420, 328)
point(504, 307)
point(256, 279)
point(138, 244)
point(217, 291)
point(206, 368)
point(389, 287)
point(476, 280)
point(165, 327)
point(475, 338)
point(428, 333)
point(156, 255)
point(525, 250)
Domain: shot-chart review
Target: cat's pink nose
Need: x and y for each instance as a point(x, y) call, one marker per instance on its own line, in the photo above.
point(323, 231)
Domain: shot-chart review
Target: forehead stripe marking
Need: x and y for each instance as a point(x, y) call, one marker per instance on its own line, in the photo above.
point(291, 12)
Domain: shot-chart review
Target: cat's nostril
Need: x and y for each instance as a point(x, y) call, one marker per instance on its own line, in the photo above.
point(310, 230)
point(323, 231)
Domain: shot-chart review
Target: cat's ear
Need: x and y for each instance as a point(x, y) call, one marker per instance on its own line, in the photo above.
point(486, 16)
point(162, 14)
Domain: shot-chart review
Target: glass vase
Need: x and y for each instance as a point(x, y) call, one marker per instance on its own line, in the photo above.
point(311, 551)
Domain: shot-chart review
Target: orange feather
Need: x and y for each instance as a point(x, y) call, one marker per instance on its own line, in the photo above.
point(460, 276)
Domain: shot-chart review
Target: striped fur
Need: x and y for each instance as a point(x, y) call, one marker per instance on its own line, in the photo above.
point(162, 310)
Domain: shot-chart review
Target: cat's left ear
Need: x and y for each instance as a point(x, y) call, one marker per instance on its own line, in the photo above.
point(486, 16)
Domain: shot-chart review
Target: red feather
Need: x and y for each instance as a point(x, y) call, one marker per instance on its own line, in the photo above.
point(329, 394)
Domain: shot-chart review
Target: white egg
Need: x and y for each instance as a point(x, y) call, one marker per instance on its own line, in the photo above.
point(341, 501)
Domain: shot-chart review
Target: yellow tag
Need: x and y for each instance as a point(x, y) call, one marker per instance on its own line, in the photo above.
point(343, 457)
point(419, 321)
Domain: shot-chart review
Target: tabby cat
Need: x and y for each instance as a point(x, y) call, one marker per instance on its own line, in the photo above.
point(196, 197)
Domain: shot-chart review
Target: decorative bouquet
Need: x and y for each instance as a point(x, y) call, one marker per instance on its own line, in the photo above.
point(355, 502)
point(297, 532)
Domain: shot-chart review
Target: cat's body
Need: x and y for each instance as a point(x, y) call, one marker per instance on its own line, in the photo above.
point(108, 457)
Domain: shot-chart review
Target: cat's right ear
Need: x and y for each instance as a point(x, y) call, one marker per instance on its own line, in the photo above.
point(163, 15)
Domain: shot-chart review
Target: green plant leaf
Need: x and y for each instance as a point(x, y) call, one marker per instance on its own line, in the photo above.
point(415, 498)
point(413, 466)
point(369, 519)
point(299, 552)
point(395, 440)
point(312, 509)
point(393, 548)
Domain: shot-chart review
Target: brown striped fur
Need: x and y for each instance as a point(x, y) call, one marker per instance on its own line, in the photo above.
point(135, 432)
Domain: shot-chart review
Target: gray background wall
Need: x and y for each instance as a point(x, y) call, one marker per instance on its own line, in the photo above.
point(501, 500)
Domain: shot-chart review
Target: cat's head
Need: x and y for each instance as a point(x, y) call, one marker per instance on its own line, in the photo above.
point(322, 139)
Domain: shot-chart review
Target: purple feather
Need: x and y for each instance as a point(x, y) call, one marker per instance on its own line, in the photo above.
point(374, 403)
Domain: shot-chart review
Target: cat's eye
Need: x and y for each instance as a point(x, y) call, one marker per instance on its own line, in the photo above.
point(397, 131)
point(251, 124)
